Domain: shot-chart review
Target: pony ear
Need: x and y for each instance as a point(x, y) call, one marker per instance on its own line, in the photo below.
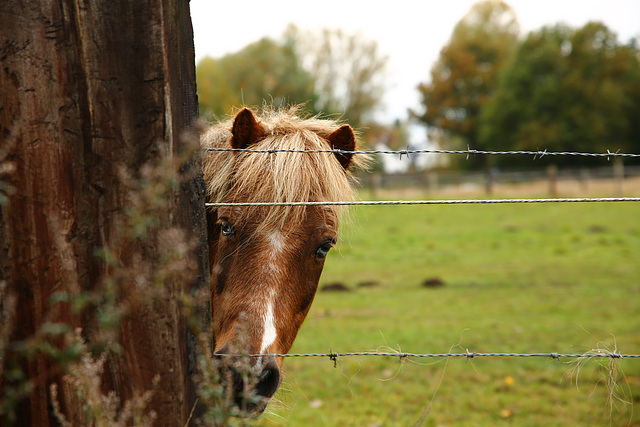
point(343, 139)
point(246, 130)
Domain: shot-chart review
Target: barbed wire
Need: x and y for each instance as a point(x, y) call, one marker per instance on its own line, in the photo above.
point(467, 355)
point(334, 356)
point(536, 154)
point(432, 202)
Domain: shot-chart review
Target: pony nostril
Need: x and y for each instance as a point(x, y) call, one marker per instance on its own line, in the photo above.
point(249, 388)
point(268, 381)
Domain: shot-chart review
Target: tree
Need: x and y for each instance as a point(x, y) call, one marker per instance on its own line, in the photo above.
point(89, 90)
point(465, 76)
point(264, 71)
point(567, 90)
point(348, 71)
point(331, 72)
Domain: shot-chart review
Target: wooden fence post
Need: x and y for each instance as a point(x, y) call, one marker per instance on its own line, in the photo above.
point(552, 177)
point(618, 174)
point(375, 181)
point(489, 181)
point(584, 176)
point(90, 89)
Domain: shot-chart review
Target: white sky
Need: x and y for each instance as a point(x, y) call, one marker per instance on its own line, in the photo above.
point(410, 32)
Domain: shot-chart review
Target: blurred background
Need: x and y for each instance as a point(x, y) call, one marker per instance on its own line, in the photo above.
point(549, 75)
point(489, 75)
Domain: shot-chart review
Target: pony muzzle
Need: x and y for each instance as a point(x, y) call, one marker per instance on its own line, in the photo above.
point(248, 382)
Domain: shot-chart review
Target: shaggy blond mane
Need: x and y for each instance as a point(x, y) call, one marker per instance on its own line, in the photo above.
point(278, 177)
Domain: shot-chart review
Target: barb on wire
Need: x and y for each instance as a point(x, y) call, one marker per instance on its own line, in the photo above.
point(432, 202)
point(334, 357)
point(406, 152)
point(544, 153)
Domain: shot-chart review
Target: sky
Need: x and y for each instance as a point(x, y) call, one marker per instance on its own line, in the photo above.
point(411, 33)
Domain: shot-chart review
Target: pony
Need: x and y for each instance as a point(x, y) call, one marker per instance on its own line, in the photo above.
point(266, 261)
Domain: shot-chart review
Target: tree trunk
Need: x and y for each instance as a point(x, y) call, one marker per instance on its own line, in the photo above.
point(91, 89)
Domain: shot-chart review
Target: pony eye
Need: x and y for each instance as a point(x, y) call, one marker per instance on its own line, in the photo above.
point(323, 249)
point(227, 229)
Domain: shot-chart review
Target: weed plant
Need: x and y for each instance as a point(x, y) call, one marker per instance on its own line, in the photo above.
point(127, 285)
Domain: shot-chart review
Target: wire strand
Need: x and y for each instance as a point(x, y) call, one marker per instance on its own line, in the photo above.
point(535, 154)
point(432, 202)
point(467, 355)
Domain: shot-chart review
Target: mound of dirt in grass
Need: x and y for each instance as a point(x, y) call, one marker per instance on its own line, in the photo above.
point(434, 282)
point(335, 287)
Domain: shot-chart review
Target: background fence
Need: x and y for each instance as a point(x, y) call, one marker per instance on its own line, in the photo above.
point(432, 181)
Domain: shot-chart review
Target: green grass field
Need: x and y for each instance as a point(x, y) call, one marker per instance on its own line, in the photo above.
point(518, 278)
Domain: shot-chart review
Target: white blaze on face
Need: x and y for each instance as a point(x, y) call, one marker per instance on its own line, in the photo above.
point(269, 333)
point(276, 242)
point(275, 245)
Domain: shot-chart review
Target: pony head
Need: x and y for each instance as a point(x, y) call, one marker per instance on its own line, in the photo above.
point(266, 261)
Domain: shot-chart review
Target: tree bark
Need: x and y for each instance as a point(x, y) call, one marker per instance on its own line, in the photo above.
point(88, 88)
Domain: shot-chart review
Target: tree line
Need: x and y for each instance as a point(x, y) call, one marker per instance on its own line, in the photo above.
point(331, 72)
point(557, 88)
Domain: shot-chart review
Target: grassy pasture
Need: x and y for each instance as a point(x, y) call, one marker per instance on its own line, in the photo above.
point(518, 278)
